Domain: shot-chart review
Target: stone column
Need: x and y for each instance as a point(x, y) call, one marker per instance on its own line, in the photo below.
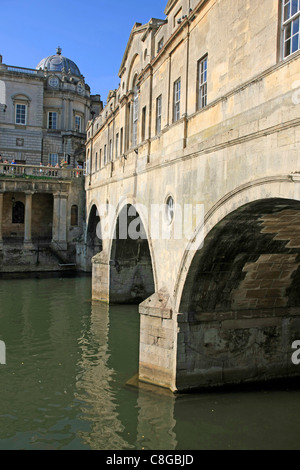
point(28, 220)
point(59, 226)
point(1, 219)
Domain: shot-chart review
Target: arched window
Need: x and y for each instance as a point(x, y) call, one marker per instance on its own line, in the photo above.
point(18, 212)
point(74, 215)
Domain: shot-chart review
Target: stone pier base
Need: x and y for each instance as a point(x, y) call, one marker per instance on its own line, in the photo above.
point(100, 277)
point(157, 341)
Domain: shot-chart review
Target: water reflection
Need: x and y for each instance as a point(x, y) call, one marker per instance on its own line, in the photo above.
point(65, 385)
point(94, 385)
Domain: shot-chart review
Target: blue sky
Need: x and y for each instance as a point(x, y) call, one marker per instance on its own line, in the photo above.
point(92, 33)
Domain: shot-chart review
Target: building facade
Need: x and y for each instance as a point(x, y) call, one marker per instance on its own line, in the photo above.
point(43, 117)
point(44, 112)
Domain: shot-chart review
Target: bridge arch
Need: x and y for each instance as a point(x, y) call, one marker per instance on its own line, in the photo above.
point(93, 238)
point(281, 187)
point(240, 301)
point(132, 268)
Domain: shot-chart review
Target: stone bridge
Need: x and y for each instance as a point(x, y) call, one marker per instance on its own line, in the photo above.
point(220, 302)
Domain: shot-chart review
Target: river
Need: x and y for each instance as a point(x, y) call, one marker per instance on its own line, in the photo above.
point(64, 385)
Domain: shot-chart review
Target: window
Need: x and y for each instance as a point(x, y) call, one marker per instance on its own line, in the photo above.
point(135, 116)
point(121, 141)
point(177, 18)
point(21, 113)
point(52, 120)
point(18, 212)
point(170, 209)
point(202, 83)
point(74, 215)
point(110, 151)
point(96, 161)
point(78, 123)
point(177, 93)
point(160, 44)
point(53, 159)
point(158, 114)
point(144, 123)
point(291, 23)
point(105, 155)
point(117, 145)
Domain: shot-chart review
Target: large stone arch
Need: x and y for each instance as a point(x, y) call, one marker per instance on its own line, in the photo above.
point(266, 188)
point(240, 303)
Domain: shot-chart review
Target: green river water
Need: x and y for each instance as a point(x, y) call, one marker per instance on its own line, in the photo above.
point(64, 383)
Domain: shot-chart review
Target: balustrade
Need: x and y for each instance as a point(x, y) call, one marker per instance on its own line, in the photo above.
point(7, 169)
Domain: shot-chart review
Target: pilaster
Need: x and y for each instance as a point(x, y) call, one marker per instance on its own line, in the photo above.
point(28, 220)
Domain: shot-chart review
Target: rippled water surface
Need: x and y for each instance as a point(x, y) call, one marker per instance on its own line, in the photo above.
point(64, 384)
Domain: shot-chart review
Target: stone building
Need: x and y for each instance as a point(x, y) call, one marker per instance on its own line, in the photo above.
point(43, 117)
point(206, 115)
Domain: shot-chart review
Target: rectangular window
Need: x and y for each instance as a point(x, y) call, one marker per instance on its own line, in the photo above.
point(291, 26)
point(160, 44)
point(110, 151)
point(53, 159)
point(21, 113)
point(144, 123)
point(96, 161)
point(78, 123)
point(158, 114)
point(202, 83)
point(52, 120)
point(121, 141)
point(117, 145)
point(135, 117)
point(177, 94)
point(105, 155)
point(177, 18)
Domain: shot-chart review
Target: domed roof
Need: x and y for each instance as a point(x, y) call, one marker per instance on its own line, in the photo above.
point(57, 62)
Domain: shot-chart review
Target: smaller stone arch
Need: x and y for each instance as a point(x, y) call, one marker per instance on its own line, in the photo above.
point(131, 265)
point(93, 236)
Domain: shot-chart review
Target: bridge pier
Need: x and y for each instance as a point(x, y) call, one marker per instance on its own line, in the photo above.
point(158, 339)
point(100, 277)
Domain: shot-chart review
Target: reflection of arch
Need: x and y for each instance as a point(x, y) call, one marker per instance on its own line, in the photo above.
point(131, 272)
point(267, 188)
point(18, 212)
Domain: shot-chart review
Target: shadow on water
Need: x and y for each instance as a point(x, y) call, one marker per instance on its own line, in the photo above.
point(65, 385)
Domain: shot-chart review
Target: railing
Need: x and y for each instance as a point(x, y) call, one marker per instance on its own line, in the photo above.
point(12, 68)
point(32, 171)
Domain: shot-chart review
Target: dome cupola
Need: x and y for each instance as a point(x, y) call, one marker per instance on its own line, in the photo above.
point(59, 63)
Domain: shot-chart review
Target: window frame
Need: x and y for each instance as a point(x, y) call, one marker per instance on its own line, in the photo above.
point(158, 114)
point(202, 82)
point(135, 116)
point(287, 24)
point(25, 106)
point(78, 128)
point(51, 120)
point(51, 160)
point(176, 100)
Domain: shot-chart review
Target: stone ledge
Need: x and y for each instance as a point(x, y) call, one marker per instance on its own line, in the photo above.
point(158, 305)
